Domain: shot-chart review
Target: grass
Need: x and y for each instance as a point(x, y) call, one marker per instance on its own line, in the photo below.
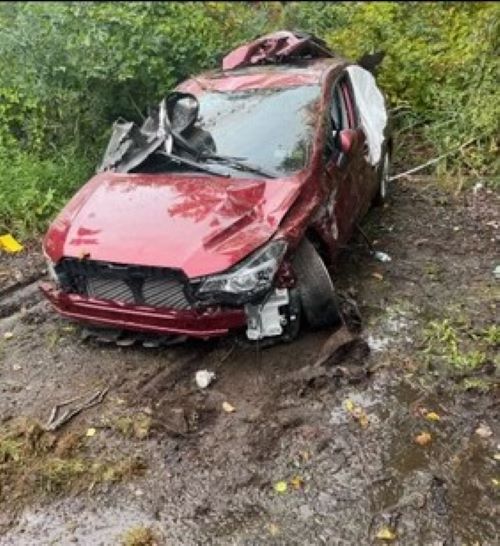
point(10, 450)
point(133, 426)
point(33, 189)
point(454, 343)
point(139, 536)
point(37, 463)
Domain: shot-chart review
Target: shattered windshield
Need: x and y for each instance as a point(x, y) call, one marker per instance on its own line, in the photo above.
point(271, 128)
point(267, 132)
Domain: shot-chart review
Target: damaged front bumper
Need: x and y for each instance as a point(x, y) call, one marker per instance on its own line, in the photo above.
point(268, 319)
point(193, 323)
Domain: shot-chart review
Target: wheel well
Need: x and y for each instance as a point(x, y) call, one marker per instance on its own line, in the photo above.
point(318, 243)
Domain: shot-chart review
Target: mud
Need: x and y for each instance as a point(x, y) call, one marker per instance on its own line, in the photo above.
point(210, 474)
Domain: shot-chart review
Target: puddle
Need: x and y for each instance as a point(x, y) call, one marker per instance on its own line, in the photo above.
point(392, 329)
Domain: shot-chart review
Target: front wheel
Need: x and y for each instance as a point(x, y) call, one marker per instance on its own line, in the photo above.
point(317, 293)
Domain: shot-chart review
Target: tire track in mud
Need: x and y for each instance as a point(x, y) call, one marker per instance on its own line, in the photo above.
point(23, 295)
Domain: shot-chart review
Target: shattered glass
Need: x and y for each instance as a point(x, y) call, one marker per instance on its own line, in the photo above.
point(262, 131)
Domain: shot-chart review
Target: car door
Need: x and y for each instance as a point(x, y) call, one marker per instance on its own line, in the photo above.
point(343, 172)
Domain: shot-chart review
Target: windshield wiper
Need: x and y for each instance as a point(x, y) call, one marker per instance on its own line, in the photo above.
point(235, 163)
point(201, 167)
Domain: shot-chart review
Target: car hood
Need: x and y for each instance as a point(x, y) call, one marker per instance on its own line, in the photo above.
point(199, 224)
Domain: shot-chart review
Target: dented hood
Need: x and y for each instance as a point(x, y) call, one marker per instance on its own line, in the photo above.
point(199, 224)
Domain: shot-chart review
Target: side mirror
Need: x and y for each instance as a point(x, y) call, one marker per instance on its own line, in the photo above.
point(348, 138)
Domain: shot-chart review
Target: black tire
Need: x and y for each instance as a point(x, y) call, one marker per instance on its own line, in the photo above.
point(317, 294)
point(384, 175)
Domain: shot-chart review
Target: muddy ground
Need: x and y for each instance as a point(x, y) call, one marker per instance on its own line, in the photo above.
point(400, 441)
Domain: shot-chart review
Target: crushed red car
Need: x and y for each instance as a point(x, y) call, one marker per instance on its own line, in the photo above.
point(223, 210)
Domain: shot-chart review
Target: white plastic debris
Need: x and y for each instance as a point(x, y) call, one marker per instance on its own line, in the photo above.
point(496, 272)
point(484, 431)
point(204, 378)
point(382, 256)
point(477, 186)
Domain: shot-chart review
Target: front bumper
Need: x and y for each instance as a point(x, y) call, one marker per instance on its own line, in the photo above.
point(193, 323)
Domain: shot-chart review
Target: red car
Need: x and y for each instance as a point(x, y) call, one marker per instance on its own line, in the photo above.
point(221, 212)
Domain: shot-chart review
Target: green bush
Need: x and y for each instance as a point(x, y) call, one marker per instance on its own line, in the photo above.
point(68, 69)
point(441, 68)
point(32, 189)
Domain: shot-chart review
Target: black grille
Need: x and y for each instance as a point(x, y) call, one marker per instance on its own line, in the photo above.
point(153, 286)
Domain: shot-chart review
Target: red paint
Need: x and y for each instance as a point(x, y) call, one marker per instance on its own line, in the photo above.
point(270, 79)
point(278, 45)
point(205, 224)
point(199, 224)
point(145, 319)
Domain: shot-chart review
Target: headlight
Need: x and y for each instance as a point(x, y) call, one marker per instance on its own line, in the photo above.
point(250, 277)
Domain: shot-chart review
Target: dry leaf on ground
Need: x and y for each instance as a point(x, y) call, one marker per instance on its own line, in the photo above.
point(484, 431)
point(432, 416)
point(357, 412)
point(280, 487)
point(297, 482)
point(228, 408)
point(385, 533)
point(423, 439)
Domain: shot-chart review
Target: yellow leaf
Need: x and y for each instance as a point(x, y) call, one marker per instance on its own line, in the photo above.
point(361, 417)
point(423, 438)
point(432, 416)
point(349, 405)
point(496, 456)
point(8, 335)
point(280, 487)
point(386, 534)
point(228, 408)
point(296, 482)
point(90, 432)
point(9, 244)
point(357, 412)
point(495, 482)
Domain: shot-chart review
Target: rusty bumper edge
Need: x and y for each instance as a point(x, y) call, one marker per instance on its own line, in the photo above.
point(144, 319)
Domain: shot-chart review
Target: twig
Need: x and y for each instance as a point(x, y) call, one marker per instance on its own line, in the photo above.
point(227, 355)
point(432, 161)
point(136, 107)
point(93, 400)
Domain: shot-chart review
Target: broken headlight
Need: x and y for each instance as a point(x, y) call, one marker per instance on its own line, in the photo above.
point(251, 277)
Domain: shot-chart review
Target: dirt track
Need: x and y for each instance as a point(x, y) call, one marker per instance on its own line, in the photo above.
point(204, 476)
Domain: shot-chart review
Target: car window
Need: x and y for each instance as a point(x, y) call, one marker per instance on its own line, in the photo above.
point(272, 128)
point(343, 114)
